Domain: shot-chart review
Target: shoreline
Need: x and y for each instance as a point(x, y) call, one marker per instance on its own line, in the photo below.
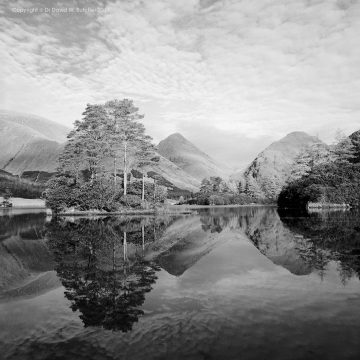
point(126, 212)
point(224, 206)
point(173, 210)
point(184, 209)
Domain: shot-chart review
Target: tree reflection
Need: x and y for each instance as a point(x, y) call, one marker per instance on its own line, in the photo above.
point(299, 241)
point(27, 226)
point(102, 267)
point(328, 236)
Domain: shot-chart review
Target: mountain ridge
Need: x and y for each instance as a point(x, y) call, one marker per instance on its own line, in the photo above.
point(32, 143)
point(190, 158)
point(271, 168)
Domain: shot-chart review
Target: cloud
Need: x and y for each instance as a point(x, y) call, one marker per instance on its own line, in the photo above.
point(231, 69)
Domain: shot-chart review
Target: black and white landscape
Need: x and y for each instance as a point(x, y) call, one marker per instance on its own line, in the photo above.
point(179, 179)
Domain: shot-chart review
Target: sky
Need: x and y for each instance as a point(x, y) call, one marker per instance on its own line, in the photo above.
point(230, 75)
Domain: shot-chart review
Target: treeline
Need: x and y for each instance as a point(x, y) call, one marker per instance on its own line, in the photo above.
point(13, 186)
point(216, 191)
point(325, 174)
point(95, 166)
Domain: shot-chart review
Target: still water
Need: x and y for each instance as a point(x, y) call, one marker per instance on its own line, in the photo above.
point(225, 283)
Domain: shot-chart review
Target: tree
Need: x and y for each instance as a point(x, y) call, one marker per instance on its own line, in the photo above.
point(107, 132)
point(145, 155)
point(7, 194)
point(240, 187)
point(216, 183)
point(310, 157)
point(87, 146)
point(252, 188)
point(125, 132)
point(343, 150)
point(206, 186)
point(355, 138)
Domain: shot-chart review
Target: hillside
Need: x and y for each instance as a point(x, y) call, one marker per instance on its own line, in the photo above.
point(268, 173)
point(329, 180)
point(174, 174)
point(29, 142)
point(189, 158)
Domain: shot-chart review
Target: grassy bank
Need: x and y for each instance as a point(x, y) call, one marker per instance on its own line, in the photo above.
point(21, 203)
point(220, 206)
point(160, 211)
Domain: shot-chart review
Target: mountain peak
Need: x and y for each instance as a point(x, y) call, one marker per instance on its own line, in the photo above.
point(268, 173)
point(176, 137)
point(188, 157)
point(300, 135)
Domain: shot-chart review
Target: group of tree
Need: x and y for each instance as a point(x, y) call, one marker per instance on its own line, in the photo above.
point(325, 174)
point(323, 240)
point(216, 191)
point(102, 266)
point(14, 186)
point(96, 163)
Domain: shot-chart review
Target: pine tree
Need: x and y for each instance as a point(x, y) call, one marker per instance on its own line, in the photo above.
point(355, 139)
point(87, 146)
point(145, 155)
point(310, 157)
point(240, 187)
point(206, 187)
point(344, 150)
point(125, 132)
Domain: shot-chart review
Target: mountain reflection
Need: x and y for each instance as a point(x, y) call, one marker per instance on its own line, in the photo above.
point(323, 237)
point(101, 264)
point(29, 226)
point(302, 242)
point(107, 266)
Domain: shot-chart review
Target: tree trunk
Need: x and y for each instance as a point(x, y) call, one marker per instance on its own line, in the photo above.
point(114, 256)
point(125, 169)
point(154, 191)
point(125, 247)
point(143, 237)
point(143, 188)
point(115, 176)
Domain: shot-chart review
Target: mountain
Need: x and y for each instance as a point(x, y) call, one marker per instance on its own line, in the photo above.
point(188, 157)
point(173, 174)
point(29, 142)
point(26, 262)
point(268, 173)
point(30, 146)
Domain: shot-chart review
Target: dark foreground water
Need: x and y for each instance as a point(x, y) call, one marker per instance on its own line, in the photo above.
point(245, 283)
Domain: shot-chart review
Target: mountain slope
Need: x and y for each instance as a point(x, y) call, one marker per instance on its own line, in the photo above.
point(29, 142)
point(188, 157)
point(268, 173)
point(175, 175)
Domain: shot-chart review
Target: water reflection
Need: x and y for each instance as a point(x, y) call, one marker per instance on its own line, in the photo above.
point(24, 255)
point(108, 265)
point(102, 266)
point(28, 226)
point(327, 236)
point(301, 242)
point(217, 284)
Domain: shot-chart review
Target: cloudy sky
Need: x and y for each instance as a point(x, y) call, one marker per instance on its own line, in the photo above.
point(230, 75)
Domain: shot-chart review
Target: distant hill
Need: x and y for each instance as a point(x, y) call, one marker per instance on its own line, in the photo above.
point(30, 146)
point(189, 158)
point(268, 173)
point(29, 142)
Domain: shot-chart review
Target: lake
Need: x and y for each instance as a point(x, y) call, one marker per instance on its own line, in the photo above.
point(224, 283)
